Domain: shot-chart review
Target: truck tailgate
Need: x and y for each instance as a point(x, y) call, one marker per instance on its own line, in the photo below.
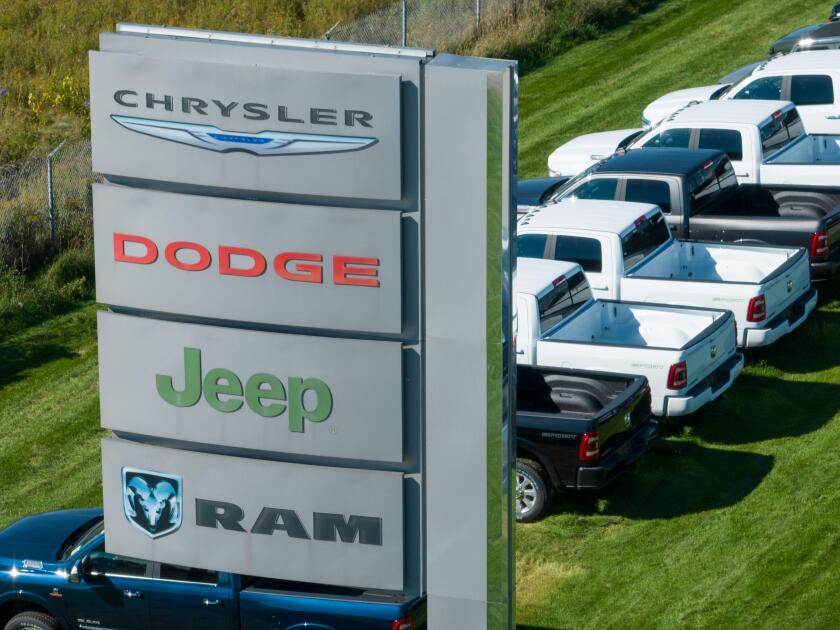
point(787, 285)
point(617, 427)
point(711, 350)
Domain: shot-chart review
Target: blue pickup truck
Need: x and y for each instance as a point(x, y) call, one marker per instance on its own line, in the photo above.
point(55, 573)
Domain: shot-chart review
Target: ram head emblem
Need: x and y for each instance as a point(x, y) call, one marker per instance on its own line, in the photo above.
point(152, 501)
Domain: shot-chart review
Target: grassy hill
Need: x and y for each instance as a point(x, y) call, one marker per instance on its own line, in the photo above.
point(733, 521)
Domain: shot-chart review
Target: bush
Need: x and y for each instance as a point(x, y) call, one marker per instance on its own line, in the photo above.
point(25, 301)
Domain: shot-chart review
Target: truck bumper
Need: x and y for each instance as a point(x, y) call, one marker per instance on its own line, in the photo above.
point(706, 390)
point(619, 459)
point(825, 270)
point(785, 322)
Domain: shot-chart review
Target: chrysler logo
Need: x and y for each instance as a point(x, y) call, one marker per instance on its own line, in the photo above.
point(261, 144)
point(152, 501)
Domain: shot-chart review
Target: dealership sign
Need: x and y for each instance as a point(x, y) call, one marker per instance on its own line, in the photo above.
point(306, 365)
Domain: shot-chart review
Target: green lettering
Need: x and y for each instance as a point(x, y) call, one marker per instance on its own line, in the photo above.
point(255, 395)
point(220, 381)
point(192, 381)
point(297, 404)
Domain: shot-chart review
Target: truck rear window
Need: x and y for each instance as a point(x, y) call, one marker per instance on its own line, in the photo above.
point(647, 235)
point(780, 131)
point(566, 296)
point(584, 251)
point(709, 184)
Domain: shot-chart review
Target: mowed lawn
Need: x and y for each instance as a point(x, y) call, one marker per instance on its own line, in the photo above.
point(734, 520)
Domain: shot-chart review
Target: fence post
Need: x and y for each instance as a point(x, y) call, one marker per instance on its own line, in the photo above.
point(50, 189)
point(404, 24)
point(477, 14)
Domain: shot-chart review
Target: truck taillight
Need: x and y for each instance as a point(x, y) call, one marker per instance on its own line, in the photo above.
point(757, 309)
point(819, 244)
point(678, 375)
point(403, 624)
point(590, 447)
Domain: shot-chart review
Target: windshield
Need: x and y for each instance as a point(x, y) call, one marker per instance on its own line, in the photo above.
point(561, 192)
point(82, 538)
point(647, 235)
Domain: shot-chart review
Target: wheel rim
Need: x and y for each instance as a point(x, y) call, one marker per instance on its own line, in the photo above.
point(526, 494)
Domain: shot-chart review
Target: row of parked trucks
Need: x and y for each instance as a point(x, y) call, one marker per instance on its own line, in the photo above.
point(651, 258)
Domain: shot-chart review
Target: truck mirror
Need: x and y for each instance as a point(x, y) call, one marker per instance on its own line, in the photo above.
point(75, 575)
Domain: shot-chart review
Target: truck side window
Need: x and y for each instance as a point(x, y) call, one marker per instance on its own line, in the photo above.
point(726, 140)
point(812, 89)
point(101, 563)
point(671, 138)
point(765, 88)
point(187, 574)
point(584, 251)
point(597, 189)
point(649, 191)
point(531, 245)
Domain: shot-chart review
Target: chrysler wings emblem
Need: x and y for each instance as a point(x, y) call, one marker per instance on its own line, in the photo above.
point(263, 143)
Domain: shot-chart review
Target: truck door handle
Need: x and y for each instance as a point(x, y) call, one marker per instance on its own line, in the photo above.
point(133, 594)
point(742, 174)
point(833, 117)
point(217, 603)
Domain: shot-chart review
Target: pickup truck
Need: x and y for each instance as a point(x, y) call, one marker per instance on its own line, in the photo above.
point(697, 191)
point(688, 355)
point(765, 140)
point(582, 152)
point(628, 254)
point(55, 573)
point(811, 82)
point(576, 431)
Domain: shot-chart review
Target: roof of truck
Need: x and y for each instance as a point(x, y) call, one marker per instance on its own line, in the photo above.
point(829, 29)
point(659, 161)
point(803, 61)
point(743, 111)
point(587, 214)
point(535, 275)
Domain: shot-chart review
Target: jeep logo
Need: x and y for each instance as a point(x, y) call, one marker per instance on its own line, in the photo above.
point(264, 394)
point(326, 526)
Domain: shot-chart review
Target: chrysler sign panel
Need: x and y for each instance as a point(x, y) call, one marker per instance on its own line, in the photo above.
point(254, 128)
point(252, 390)
point(254, 517)
point(249, 261)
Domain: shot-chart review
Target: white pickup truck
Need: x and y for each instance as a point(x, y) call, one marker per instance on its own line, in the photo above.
point(628, 254)
point(580, 153)
point(688, 355)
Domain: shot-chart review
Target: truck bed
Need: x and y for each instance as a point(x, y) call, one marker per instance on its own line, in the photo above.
point(635, 325)
point(715, 262)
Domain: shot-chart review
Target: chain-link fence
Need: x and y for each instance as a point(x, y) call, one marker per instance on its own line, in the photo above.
point(438, 24)
point(46, 205)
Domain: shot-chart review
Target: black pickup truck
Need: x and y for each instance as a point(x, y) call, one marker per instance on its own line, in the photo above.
point(702, 200)
point(576, 431)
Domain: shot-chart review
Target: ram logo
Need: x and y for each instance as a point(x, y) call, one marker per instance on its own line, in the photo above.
point(262, 144)
point(152, 501)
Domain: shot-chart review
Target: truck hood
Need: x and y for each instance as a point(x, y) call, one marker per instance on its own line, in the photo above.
point(739, 74)
point(582, 152)
point(41, 536)
point(666, 105)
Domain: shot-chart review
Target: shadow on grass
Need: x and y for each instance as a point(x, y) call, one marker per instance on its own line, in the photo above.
point(762, 408)
point(17, 358)
point(813, 347)
point(677, 478)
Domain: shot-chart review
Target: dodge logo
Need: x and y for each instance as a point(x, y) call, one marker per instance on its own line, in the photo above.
point(152, 501)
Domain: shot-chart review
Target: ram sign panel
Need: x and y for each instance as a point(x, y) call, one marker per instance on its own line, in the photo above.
point(246, 128)
point(251, 390)
point(253, 517)
point(249, 261)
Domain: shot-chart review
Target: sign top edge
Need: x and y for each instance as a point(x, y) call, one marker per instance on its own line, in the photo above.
point(149, 30)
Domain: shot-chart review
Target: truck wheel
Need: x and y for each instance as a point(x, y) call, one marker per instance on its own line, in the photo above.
point(531, 491)
point(32, 621)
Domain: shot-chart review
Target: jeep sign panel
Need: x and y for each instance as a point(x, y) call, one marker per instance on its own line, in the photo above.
point(252, 390)
point(291, 521)
point(248, 261)
point(264, 130)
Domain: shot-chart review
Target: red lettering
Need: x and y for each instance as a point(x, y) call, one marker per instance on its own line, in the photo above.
point(225, 268)
point(172, 250)
point(303, 272)
point(345, 267)
point(119, 249)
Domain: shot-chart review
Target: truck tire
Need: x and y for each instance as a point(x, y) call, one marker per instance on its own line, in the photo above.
point(531, 491)
point(32, 621)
